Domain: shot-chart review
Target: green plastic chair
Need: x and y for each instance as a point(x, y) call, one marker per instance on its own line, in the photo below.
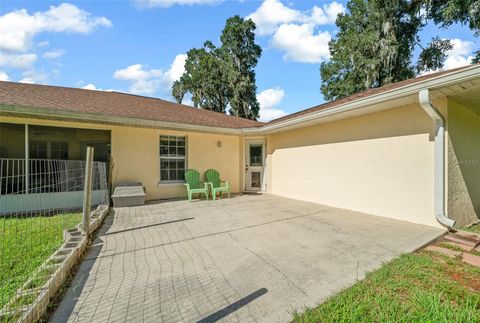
point(193, 184)
point(212, 177)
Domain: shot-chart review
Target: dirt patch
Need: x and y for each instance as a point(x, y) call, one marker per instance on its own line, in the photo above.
point(441, 259)
point(469, 282)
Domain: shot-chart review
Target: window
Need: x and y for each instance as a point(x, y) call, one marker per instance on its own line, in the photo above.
point(48, 150)
point(172, 158)
point(59, 150)
point(256, 155)
point(38, 150)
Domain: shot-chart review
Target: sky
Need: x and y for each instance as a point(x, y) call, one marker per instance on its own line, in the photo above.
point(140, 46)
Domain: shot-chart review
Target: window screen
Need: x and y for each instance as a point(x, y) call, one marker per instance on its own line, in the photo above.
point(173, 158)
point(59, 150)
point(38, 150)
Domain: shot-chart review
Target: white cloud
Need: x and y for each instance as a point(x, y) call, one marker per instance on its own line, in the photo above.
point(325, 15)
point(176, 68)
point(273, 13)
point(268, 99)
point(301, 44)
point(169, 3)
point(21, 61)
point(460, 54)
point(54, 53)
point(18, 28)
point(142, 81)
point(27, 80)
point(149, 81)
point(132, 73)
point(38, 76)
point(4, 76)
point(91, 86)
point(296, 32)
point(43, 43)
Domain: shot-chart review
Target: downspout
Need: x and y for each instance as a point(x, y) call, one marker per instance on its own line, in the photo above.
point(439, 156)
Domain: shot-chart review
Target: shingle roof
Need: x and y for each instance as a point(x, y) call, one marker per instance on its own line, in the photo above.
point(140, 107)
point(367, 93)
point(114, 104)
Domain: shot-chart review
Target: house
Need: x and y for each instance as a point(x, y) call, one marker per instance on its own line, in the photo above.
point(408, 151)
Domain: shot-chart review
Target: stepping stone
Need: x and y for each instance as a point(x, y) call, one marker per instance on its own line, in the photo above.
point(475, 237)
point(471, 259)
point(456, 239)
point(444, 251)
point(459, 245)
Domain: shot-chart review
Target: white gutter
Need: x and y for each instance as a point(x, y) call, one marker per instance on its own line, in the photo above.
point(439, 156)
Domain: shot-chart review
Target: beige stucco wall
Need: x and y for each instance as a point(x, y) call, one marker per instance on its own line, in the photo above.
point(380, 163)
point(135, 153)
point(136, 157)
point(463, 163)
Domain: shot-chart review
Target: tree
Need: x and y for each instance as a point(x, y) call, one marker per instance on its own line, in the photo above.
point(447, 12)
point(241, 54)
point(178, 91)
point(217, 77)
point(205, 78)
point(375, 45)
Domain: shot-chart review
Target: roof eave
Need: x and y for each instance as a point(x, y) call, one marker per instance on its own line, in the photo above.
point(109, 119)
point(440, 81)
point(404, 91)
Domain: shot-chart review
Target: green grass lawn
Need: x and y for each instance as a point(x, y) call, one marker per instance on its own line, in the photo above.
point(474, 228)
point(25, 244)
point(419, 287)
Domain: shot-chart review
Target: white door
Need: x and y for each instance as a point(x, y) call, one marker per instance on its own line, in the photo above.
point(254, 165)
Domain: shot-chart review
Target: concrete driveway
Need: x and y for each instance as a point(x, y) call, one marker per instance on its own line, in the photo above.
point(248, 258)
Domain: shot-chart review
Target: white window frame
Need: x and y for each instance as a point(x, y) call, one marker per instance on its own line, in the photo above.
point(48, 147)
point(185, 158)
point(35, 151)
point(51, 143)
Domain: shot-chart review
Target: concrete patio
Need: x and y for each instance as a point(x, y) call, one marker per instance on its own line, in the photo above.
point(248, 258)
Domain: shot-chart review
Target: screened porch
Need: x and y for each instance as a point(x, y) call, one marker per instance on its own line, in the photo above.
point(42, 167)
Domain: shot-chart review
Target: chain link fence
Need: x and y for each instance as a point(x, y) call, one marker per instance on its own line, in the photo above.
point(39, 200)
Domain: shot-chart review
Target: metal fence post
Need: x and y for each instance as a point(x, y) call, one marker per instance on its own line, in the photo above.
point(27, 160)
point(87, 191)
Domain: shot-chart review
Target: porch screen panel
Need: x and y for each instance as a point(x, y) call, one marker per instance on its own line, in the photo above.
point(38, 149)
point(173, 158)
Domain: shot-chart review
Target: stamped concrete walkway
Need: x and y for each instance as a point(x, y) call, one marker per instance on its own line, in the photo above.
point(248, 258)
